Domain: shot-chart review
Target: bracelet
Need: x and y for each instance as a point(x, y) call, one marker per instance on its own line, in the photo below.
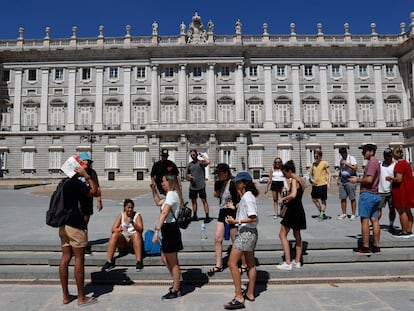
point(156, 229)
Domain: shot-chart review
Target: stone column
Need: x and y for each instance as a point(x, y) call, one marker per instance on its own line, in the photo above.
point(324, 97)
point(268, 111)
point(126, 118)
point(155, 101)
point(297, 118)
point(379, 100)
point(17, 101)
point(211, 94)
point(182, 94)
point(352, 117)
point(43, 100)
point(70, 126)
point(239, 93)
point(97, 126)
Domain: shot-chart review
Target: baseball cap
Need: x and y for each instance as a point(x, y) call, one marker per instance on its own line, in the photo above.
point(222, 167)
point(370, 147)
point(387, 152)
point(164, 152)
point(243, 176)
point(342, 150)
point(84, 156)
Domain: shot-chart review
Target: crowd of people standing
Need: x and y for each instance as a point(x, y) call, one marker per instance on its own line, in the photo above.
point(382, 182)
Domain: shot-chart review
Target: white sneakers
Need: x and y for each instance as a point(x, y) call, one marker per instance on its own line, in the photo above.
point(353, 217)
point(342, 217)
point(288, 267)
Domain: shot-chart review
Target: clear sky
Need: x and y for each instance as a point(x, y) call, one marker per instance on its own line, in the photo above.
point(88, 15)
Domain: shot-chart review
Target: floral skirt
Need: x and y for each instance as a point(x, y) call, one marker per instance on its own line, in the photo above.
point(246, 239)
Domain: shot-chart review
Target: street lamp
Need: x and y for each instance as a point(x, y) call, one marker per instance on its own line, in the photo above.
point(91, 138)
point(299, 137)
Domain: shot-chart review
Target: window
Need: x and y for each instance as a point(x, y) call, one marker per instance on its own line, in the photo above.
point(113, 73)
point(336, 71)
point(308, 71)
point(169, 72)
point(389, 70)
point(30, 116)
point(226, 114)
point(5, 75)
point(168, 113)
point(112, 116)
point(311, 112)
point(282, 112)
point(57, 116)
point(285, 154)
point(85, 116)
point(197, 113)
point(253, 71)
point(55, 157)
point(196, 71)
point(27, 159)
point(5, 117)
point(59, 74)
point(3, 160)
point(255, 158)
point(366, 113)
point(226, 156)
point(86, 73)
point(256, 118)
point(139, 159)
point(111, 159)
point(140, 114)
point(393, 111)
point(338, 112)
point(225, 71)
point(363, 71)
point(280, 71)
point(32, 75)
point(140, 72)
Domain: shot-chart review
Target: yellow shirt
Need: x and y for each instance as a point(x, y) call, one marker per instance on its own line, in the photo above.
point(319, 173)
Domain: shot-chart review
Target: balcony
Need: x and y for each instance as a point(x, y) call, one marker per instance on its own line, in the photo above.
point(112, 127)
point(5, 128)
point(281, 125)
point(367, 124)
point(55, 127)
point(311, 124)
point(256, 125)
point(83, 127)
point(393, 124)
point(29, 128)
point(339, 124)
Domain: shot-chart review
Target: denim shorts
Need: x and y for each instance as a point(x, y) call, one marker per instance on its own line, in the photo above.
point(368, 205)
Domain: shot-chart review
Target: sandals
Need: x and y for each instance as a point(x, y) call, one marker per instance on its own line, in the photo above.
point(234, 304)
point(212, 271)
point(243, 269)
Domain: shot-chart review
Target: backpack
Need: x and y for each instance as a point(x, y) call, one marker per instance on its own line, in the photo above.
point(56, 215)
point(151, 249)
point(184, 216)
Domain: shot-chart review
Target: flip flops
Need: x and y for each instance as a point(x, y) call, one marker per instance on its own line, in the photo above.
point(92, 300)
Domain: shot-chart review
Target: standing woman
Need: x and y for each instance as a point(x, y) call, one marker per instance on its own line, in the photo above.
point(294, 217)
point(226, 192)
point(276, 182)
point(402, 191)
point(171, 234)
point(246, 239)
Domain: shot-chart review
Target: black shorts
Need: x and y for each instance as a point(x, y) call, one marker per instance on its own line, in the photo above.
point(277, 186)
point(171, 238)
point(201, 193)
point(226, 212)
point(319, 192)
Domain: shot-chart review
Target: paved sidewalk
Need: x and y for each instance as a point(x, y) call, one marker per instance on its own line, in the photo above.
point(332, 297)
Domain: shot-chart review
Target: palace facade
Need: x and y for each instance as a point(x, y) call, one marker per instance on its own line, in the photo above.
point(242, 99)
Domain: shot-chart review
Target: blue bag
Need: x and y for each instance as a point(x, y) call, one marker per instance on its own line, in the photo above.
point(151, 249)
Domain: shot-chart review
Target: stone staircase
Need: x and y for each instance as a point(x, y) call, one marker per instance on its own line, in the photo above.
point(321, 261)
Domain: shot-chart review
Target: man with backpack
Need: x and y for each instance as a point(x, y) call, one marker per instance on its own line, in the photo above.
point(73, 235)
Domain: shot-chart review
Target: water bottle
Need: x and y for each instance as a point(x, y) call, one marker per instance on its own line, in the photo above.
point(203, 231)
point(226, 232)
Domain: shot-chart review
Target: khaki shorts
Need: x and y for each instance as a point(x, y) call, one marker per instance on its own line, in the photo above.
point(74, 237)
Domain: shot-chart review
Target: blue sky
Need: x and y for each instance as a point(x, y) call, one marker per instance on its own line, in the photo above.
point(88, 15)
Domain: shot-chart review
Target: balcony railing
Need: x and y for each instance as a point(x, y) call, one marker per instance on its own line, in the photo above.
point(394, 124)
point(283, 124)
point(29, 128)
point(339, 124)
point(55, 127)
point(367, 124)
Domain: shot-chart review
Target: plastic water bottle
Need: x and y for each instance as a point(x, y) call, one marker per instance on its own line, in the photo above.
point(203, 231)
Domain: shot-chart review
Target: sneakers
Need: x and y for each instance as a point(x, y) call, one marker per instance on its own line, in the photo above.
point(353, 217)
point(107, 266)
point(171, 294)
point(392, 230)
point(194, 218)
point(284, 266)
point(296, 265)
point(375, 249)
point(275, 216)
point(139, 266)
point(343, 217)
point(207, 220)
point(362, 250)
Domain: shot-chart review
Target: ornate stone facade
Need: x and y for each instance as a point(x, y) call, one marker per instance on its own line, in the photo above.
point(243, 99)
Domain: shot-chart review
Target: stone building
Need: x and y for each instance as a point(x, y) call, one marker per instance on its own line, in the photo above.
point(243, 99)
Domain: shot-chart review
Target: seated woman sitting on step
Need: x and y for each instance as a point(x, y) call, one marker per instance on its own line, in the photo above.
point(126, 233)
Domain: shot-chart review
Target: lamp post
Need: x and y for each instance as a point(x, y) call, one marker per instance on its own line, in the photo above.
point(299, 137)
point(91, 139)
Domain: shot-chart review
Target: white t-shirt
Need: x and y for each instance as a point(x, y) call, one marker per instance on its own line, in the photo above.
point(247, 207)
point(384, 186)
point(172, 200)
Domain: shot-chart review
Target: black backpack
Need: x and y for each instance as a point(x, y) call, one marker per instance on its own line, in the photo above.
point(184, 216)
point(56, 215)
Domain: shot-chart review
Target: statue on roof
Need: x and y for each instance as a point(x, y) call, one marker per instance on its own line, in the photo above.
point(196, 32)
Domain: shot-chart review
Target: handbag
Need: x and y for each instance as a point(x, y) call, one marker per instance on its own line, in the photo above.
point(283, 210)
